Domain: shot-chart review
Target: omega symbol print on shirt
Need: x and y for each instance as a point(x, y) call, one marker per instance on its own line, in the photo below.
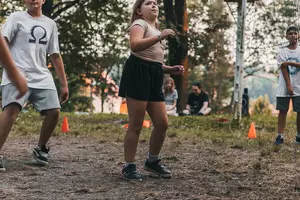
point(38, 34)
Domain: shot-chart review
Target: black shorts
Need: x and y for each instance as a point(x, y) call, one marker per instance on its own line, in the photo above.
point(283, 103)
point(142, 80)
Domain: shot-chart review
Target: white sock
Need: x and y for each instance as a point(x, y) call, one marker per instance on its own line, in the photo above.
point(152, 158)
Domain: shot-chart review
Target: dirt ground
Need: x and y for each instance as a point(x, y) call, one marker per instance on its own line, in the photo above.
point(89, 168)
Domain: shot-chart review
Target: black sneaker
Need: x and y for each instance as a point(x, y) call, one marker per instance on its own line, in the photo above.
point(158, 169)
point(130, 173)
point(298, 139)
point(2, 165)
point(41, 155)
point(279, 140)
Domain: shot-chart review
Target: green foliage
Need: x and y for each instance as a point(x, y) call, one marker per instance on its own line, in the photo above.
point(92, 39)
point(266, 33)
point(209, 55)
point(81, 103)
point(262, 106)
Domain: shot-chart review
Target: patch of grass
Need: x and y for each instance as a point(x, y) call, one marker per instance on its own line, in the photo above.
point(217, 129)
point(172, 134)
point(239, 144)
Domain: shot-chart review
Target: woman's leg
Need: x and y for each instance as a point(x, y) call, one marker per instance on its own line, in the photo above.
point(158, 114)
point(136, 113)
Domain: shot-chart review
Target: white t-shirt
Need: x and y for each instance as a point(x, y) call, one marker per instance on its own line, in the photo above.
point(286, 54)
point(30, 40)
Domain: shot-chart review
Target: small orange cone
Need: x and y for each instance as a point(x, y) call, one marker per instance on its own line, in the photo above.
point(252, 131)
point(123, 108)
point(65, 126)
point(146, 123)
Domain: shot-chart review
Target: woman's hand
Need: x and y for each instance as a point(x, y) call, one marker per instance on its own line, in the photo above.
point(166, 33)
point(176, 70)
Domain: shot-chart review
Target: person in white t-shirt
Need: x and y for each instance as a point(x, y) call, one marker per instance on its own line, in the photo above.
point(288, 60)
point(31, 36)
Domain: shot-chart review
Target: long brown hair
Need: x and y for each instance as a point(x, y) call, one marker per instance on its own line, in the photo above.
point(171, 90)
point(137, 5)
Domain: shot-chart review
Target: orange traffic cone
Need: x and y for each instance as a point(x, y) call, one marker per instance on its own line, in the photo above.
point(125, 126)
point(123, 109)
point(146, 123)
point(252, 131)
point(65, 126)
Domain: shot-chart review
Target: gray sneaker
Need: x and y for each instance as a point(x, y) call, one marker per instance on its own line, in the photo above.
point(2, 165)
point(41, 155)
point(130, 173)
point(157, 168)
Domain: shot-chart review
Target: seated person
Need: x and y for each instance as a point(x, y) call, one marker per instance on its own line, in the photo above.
point(171, 96)
point(197, 102)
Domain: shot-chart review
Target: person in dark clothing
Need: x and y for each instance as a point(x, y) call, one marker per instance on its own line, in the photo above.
point(197, 102)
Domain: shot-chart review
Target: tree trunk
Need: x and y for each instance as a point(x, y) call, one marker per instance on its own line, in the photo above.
point(102, 99)
point(47, 8)
point(176, 19)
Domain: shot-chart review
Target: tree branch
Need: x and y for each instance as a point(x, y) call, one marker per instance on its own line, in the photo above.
point(63, 9)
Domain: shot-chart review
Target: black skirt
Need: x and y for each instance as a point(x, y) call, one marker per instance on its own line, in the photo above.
point(142, 80)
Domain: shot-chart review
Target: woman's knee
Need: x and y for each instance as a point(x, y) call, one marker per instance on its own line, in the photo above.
point(162, 126)
point(135, 127)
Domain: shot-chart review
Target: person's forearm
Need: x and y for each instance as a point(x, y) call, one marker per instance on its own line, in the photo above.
point(6, 60)
point(294, 64)
point(142, 44)
point(166, 68)
point(285, 73)
point(173, 106)
point(56, 59)
point(204, 107)
point(188, 107)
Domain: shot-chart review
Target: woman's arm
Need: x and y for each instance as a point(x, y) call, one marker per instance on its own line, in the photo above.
point(173, 105)
point(139, 43)
point(173, 70)
point(137, 40)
